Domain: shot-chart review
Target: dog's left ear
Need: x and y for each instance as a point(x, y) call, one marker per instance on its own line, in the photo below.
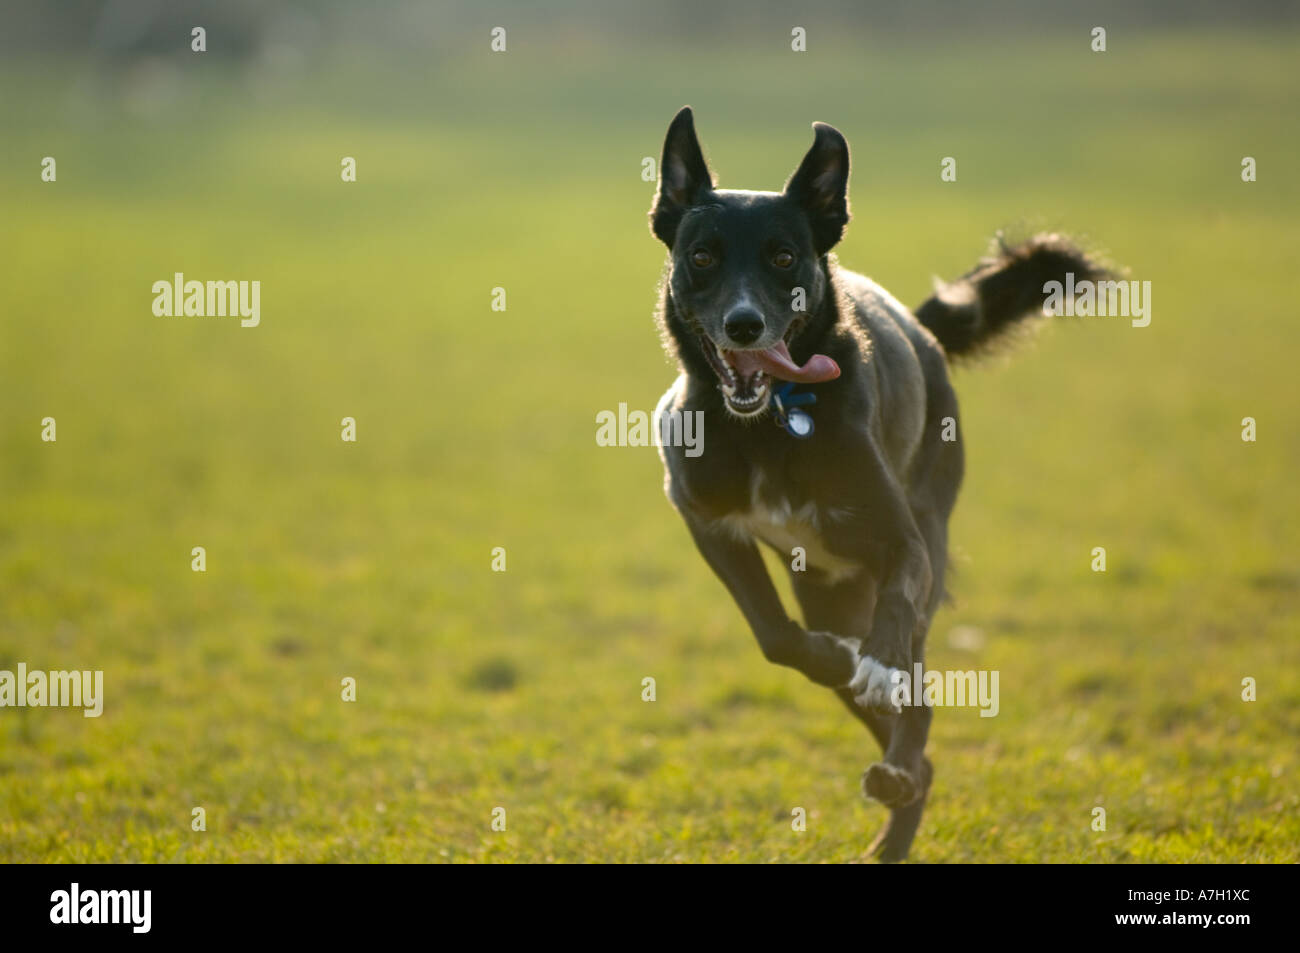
point(683, 177)
point(821, 186)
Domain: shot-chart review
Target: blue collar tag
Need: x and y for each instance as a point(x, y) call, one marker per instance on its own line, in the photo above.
point(785, 403)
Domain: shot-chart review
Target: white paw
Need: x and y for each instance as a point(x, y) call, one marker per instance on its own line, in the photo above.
point(879, 687)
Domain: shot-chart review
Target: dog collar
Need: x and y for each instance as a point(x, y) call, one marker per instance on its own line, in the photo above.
point(785, 403)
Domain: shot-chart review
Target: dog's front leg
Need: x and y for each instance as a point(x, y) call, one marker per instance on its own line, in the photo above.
point(825, 658)
point(882, 681)
point(901, 561)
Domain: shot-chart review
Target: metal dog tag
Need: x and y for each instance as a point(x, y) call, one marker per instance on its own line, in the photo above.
point(798, 424)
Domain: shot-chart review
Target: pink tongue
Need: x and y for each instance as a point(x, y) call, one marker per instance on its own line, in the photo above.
point(776, 361)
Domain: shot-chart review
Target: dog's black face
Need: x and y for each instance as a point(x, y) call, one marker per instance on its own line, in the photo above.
point(747, 268)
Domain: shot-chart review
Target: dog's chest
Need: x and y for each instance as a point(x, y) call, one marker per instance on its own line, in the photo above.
point(791, 529)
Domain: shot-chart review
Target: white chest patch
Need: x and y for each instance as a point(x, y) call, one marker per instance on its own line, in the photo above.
point(784, 528)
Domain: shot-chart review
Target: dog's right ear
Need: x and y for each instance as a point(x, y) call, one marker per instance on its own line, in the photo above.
point(821, 186)
point(683, 177)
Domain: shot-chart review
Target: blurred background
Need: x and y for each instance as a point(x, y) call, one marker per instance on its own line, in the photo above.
point(475, 429)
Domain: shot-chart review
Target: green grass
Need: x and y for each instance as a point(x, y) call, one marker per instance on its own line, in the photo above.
point(476, 429)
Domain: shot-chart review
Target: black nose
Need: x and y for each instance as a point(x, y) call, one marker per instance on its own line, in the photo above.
point(743, 326)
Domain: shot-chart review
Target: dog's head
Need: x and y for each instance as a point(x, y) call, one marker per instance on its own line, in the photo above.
point(748, 268)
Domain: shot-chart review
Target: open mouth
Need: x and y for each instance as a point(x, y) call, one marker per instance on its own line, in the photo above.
point(745, 389)
point(745, 376)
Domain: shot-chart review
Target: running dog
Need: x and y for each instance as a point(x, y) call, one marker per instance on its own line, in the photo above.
point(834, 433)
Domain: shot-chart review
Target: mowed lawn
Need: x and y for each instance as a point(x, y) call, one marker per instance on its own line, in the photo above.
point(476, 429)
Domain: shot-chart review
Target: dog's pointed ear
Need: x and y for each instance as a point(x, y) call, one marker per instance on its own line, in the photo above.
point(683, 177)
point(821, 186)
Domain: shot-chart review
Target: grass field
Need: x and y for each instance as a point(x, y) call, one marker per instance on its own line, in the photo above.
point(478, 689)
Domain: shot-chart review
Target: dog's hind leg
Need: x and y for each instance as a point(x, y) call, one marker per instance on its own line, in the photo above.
point(894, 841)
point(892, 844)
point(847, 608)
point(903, 776)
point(901, 781)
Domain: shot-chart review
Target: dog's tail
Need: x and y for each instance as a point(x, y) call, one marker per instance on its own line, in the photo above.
point(1002, 290)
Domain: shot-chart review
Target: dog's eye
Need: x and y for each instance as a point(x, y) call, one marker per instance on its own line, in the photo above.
point(701, 258)
point(783, 259)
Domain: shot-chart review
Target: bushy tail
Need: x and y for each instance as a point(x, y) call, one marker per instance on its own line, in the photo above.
point(1002, 290)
